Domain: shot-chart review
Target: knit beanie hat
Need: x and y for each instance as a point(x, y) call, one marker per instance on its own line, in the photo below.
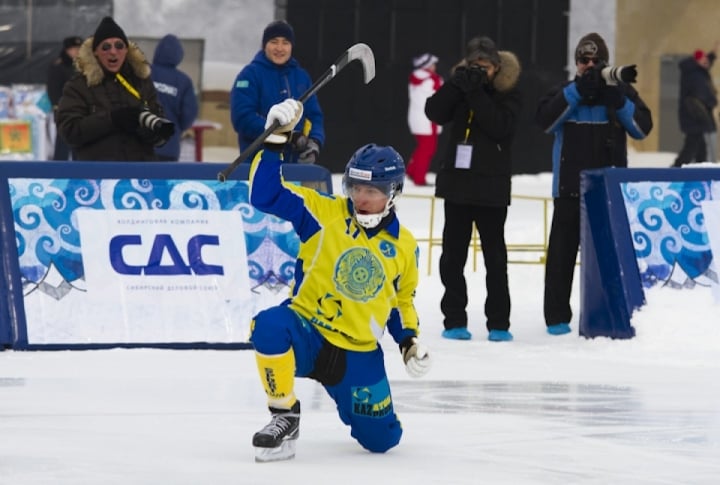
point(424, 60)
point(482, 48)
point(278, 28)
point(592, 45)
point(107, 30)
point(73, 41)
point(698, 54)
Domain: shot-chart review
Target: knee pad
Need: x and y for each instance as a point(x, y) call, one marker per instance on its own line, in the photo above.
point(269, 330)
point(378, 439)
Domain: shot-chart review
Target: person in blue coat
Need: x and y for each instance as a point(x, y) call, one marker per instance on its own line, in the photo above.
point(175, 91)
point(271, 77)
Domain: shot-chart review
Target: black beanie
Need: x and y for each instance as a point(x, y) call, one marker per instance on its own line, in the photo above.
point(73, 41)
point(482, 48)
point(592, 45)
point(107, 30)
point(278, 28)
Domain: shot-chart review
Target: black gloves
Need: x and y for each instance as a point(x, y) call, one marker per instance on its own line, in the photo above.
point(613, 97)
point(308, 149)
point(311, 153)
point(126, 118)
point(469, 79)
point(589, 84)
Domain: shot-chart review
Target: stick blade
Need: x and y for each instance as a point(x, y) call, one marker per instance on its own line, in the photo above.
point(363, 53)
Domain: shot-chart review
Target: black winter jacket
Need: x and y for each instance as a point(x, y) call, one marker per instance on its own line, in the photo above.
point(495, 112)
point(697, 97)
point(83, 115)
point(59, 72)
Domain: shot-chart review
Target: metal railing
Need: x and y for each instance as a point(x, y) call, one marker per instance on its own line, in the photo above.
point(539, 248)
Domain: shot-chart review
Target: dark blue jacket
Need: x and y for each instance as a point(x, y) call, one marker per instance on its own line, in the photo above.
point(262, 84)
point(697, 97)
point(175, 92)
point(589, 135)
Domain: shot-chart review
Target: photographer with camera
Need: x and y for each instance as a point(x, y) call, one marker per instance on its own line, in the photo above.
point(109, 110)
point(482, 102)
point(590, 117)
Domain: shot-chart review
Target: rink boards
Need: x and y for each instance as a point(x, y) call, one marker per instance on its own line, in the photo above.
point(98, 255)
point(641, 228)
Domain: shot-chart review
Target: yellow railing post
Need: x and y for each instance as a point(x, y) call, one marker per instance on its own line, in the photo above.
point(476, 246)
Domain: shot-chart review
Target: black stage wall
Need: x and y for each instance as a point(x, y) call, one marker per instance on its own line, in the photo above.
point(397, 30)
point(33, 32)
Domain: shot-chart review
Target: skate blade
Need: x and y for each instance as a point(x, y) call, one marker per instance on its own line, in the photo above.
point(286, 451)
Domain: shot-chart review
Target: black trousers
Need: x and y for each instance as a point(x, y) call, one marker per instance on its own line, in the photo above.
point(692, 151)
point(62, 150)
point(457, 233)
point(561, 256)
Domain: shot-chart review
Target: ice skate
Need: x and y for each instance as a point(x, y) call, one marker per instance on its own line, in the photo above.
point(276, 441)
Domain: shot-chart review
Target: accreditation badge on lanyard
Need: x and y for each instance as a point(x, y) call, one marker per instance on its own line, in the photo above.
point(463, 154)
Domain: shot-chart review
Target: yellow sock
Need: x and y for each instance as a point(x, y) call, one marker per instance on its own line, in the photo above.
point(277, 374)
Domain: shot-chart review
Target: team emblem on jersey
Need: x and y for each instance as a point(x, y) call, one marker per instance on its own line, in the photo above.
point(359, 274)
point(388, 249)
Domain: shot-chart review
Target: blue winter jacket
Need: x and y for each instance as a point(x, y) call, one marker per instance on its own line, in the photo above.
point(175, 92)
point(262, 84)
point(589, 134)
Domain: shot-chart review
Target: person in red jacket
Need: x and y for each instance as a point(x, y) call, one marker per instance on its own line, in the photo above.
point(424, 82)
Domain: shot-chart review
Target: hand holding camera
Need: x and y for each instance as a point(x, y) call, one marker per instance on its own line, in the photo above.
point(589, 84)
point(613, 97)
point(162, 128)
point(470, 78)
point(126, 118)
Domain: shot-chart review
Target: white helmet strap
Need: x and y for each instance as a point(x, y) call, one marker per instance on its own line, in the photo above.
point(370, 221)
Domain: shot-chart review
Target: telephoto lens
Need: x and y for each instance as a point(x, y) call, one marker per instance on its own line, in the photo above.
point(161, 128)
point(620, 74)
point(150, 121)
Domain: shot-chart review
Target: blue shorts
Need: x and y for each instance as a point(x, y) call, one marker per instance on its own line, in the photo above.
point(362, 393)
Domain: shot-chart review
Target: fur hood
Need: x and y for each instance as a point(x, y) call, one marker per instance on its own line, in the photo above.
point(88, 65)
point(508, 75)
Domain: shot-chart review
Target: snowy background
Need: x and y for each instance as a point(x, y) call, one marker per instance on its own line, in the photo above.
point(538, 410)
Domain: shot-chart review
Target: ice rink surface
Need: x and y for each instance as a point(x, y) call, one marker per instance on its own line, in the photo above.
point(487, 413)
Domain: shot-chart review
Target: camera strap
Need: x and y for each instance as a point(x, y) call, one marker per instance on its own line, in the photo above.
point(130, 89)
point(467, 128)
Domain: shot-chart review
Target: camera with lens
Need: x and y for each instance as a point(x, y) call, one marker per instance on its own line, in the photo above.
point(618, 74)
point(477, 74)
point(160, 127)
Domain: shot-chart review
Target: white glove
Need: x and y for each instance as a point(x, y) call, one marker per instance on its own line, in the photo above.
point(416, 357)
point(287, 113)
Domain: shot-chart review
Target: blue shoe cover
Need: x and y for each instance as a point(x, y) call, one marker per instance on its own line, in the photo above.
point(500, 336)
point(460, 333)
point(559, 329)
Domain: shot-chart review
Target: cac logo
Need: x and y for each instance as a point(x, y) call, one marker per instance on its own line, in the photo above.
point(161, 246)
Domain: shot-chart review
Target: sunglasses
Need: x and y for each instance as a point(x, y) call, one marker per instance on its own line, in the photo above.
point(586, 60)
point(119, 45)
